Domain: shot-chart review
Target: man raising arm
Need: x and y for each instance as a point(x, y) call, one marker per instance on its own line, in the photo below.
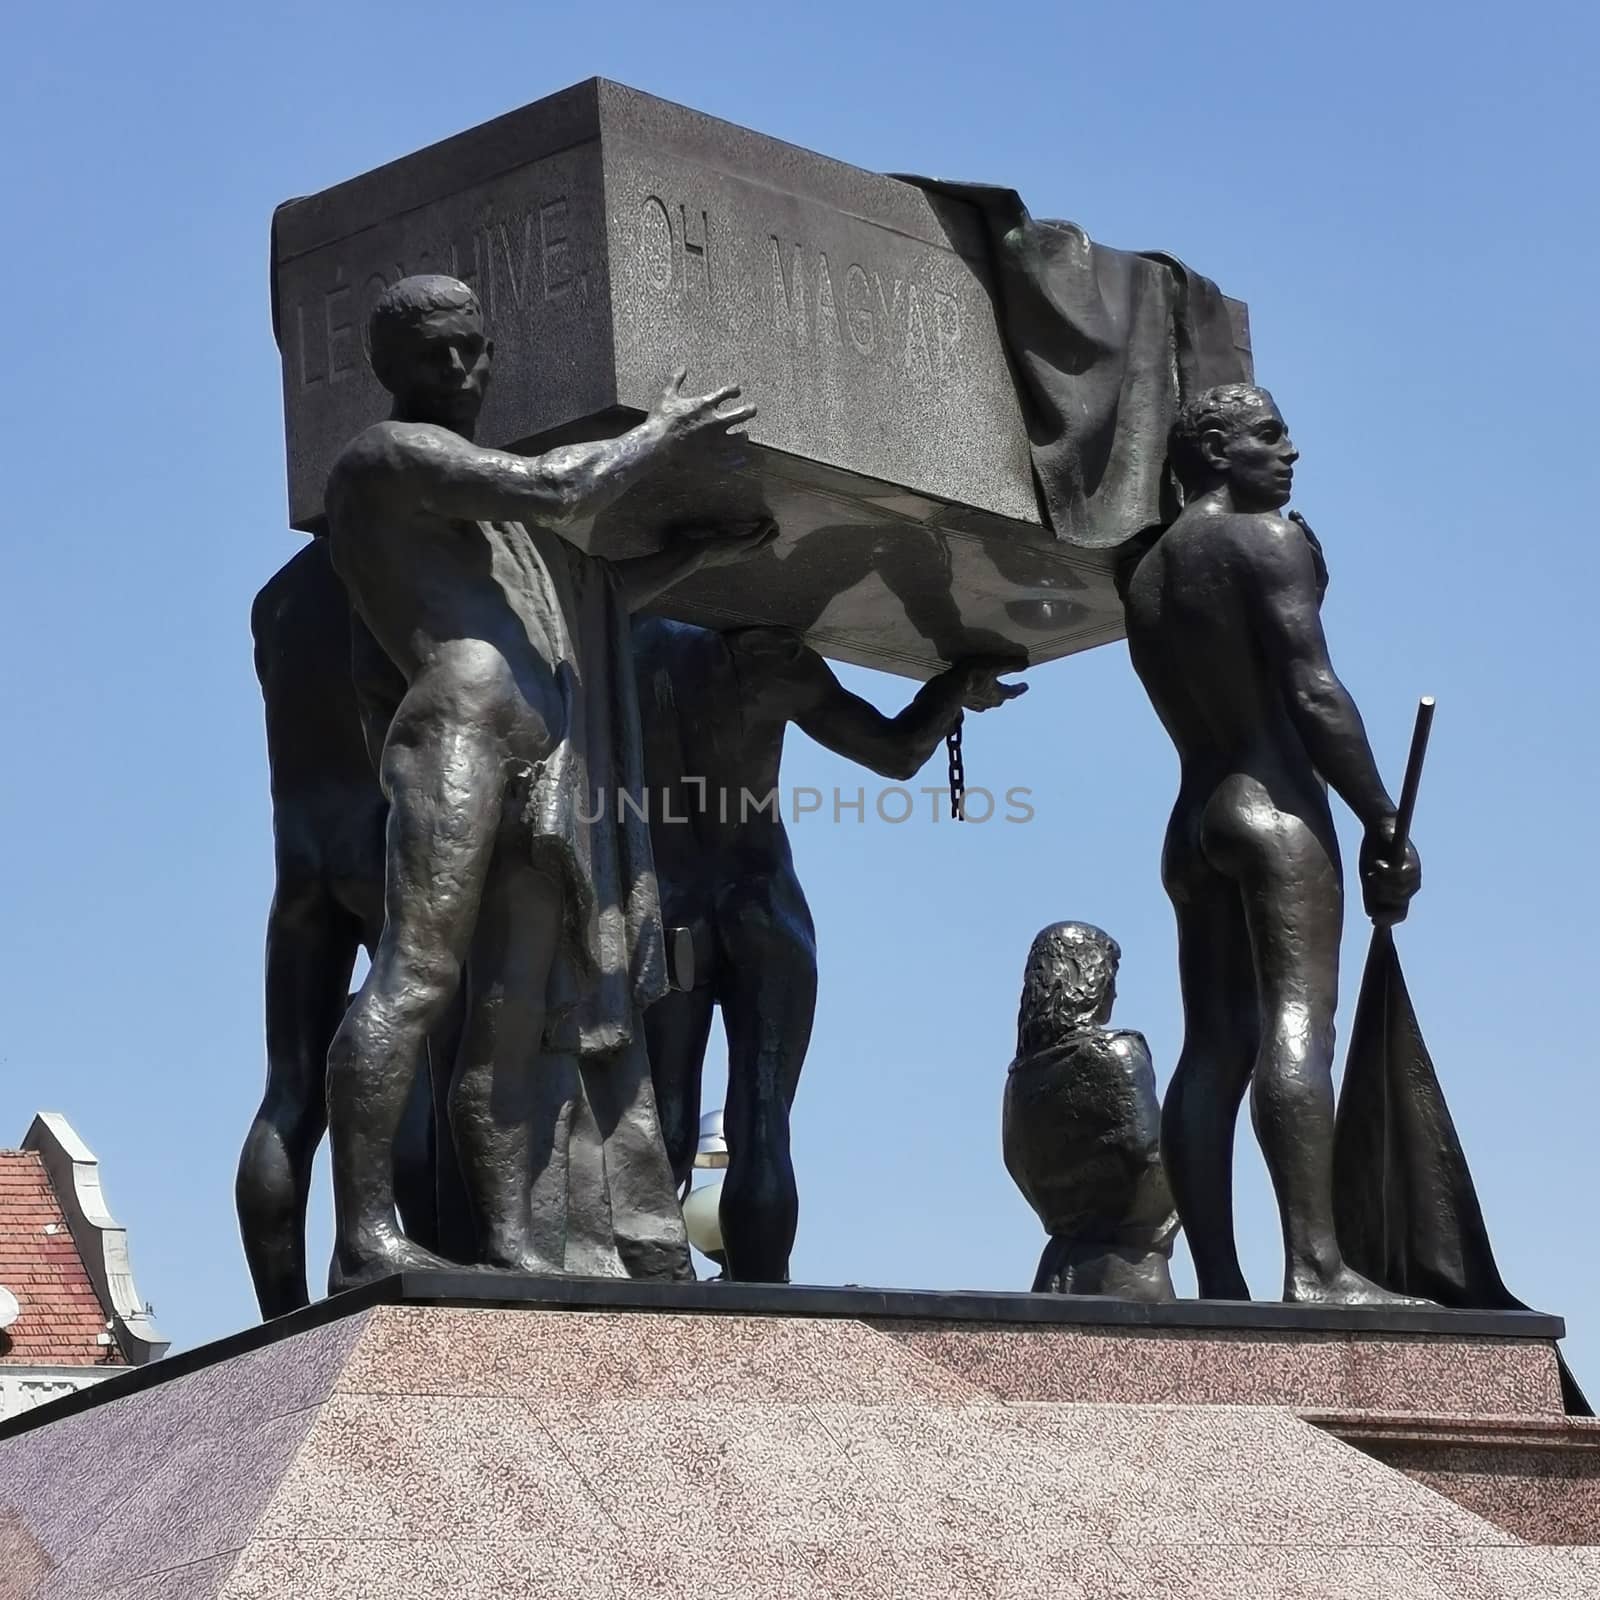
point(458, 560)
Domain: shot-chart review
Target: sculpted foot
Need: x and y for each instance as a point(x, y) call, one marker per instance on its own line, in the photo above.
point(1342, 1287)
point(371, 1257)
point(525, 1259)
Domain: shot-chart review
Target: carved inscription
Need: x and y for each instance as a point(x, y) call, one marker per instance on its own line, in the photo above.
point(525, 262)
point(655, 244)
point(325, 335)
point(675, 246)
point(514, 263)
point(903, 325)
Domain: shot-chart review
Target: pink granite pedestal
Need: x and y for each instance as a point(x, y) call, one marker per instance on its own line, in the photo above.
point(1537, 1477)
point(698, 1447)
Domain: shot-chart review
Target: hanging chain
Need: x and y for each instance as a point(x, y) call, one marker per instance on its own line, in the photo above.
point(958, 772)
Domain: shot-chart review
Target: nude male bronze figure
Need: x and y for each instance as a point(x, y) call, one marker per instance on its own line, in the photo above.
point(328, 818)
point(465, 564)
point(715, 708)
point(1225, 633)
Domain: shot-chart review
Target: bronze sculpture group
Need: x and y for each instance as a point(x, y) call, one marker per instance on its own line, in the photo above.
point(451, 798)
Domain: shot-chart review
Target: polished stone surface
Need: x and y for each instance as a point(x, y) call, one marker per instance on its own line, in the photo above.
point(492, 1451)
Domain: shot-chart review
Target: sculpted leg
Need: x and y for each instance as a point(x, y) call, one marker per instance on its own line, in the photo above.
point(446, 791)
point(769, 997)
point(415, 1185)
point(311, 949)
point(495, 1096)
point(1201, 1110)
point(416, 1159)
point(458, 1238)
point(677, 1028)
point(1294, 904)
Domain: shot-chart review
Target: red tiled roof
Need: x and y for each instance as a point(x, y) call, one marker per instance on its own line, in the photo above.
point(61, 1317)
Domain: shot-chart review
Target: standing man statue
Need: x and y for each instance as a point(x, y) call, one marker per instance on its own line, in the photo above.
point(715, 707)
point(518, 717)
point(1225, 633)
point(328, 827)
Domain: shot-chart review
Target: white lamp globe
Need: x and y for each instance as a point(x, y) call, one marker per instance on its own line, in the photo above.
point(702, 1206)
point(702, 1218)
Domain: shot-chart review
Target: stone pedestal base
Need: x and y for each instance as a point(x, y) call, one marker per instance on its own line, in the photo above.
point(1536, 1477)
point(456, 1435)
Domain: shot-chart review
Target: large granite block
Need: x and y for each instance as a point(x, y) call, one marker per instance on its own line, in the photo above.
point(613, 237)
point(609, 235)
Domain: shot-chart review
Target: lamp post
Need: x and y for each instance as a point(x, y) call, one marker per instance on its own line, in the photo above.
point(702, 1206)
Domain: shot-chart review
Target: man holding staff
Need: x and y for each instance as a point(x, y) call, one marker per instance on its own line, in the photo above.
point(1225, 633)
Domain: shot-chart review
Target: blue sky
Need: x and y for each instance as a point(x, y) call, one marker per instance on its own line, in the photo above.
point(1406, 203)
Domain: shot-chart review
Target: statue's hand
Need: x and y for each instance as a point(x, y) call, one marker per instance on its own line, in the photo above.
point(716, 547)
point(695, 419)
point(977, 681)
point(1387, 884)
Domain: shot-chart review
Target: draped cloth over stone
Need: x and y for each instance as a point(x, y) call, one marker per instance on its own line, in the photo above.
point(1105, 346)
point(612, 961)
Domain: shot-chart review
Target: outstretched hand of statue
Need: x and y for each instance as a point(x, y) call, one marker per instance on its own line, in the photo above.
point(688, 420)
point(1387, 881)
point(977, 681)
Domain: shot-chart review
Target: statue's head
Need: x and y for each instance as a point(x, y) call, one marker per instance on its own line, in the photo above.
point(1069, 983)
point(429, 350)
point(1234, 434)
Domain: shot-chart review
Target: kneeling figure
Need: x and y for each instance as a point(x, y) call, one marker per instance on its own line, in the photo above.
point(1082, 1126)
